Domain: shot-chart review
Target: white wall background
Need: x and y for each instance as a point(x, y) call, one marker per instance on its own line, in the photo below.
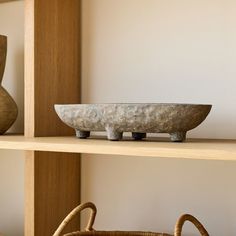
point(162, 51)
point(12, 162)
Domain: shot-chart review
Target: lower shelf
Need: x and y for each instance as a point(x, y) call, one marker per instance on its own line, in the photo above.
point(205, 149)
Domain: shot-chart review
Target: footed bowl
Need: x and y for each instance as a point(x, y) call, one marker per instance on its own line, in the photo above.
point(137, 118)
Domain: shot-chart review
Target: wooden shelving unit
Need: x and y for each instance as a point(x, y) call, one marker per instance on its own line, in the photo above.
point(2, 1)
point(52, 75)
point(204, 149)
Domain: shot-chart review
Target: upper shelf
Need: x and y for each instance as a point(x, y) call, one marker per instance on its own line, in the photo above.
point(192, 149)
point(1, 1)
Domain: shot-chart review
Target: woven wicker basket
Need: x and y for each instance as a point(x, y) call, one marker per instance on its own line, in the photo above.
point(89, 231)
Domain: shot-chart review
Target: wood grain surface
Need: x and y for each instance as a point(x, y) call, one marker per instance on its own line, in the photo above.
point(205, 149)
point(52, 75)
point(2, 1)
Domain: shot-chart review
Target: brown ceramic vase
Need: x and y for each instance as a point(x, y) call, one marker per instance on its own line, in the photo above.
point(8, 108)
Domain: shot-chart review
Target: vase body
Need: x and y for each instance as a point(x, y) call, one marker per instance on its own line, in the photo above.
point(8, 108)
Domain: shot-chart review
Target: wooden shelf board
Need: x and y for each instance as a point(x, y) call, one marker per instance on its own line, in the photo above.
point(2, 1)
point(205, 149)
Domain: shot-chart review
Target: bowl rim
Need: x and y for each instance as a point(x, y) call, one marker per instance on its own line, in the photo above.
point(168, 104)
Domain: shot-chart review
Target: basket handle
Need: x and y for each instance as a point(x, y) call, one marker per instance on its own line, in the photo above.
point(76, 211)
point(192, 219)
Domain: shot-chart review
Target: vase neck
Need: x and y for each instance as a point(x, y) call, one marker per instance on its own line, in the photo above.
point(3, 53)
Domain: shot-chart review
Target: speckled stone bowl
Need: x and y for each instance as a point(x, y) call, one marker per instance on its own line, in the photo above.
point(174, 119)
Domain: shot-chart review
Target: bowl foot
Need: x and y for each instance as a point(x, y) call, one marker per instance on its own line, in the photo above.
point(178, 136)
point(114, 135)
point(138, 136)
point(82, 134)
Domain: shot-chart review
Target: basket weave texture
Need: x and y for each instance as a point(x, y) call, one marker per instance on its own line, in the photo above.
point(89, 231)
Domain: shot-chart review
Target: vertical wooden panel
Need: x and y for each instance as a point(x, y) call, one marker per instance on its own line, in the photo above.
point(29, 194)
point(29, 69)
point(52, 75)
point(52, 190)
point(57, 190)
point(52, 65)
point(57, 64)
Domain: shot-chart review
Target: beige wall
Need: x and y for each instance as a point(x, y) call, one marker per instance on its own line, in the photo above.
point(12, 162)
point(162, 51)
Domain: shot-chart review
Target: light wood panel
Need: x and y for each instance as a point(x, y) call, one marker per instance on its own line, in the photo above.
point(29, 193)
point(57, 64)
point(52, 189)
point(29, 70)
point(52, 75)
point(60, 178)
point(2, 1)
point(52, 63)
point(205, 149)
